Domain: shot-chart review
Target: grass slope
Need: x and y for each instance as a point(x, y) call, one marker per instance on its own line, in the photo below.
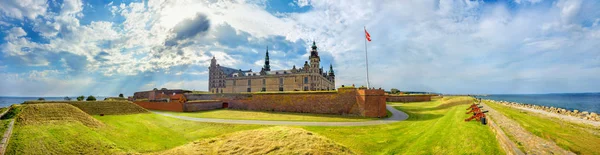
point(271, 116)
point(46, 129)
point(57, 113)
point(100, 107)
point(109, 107)
point(578, 138)
point(435, 127)
point(273, 140)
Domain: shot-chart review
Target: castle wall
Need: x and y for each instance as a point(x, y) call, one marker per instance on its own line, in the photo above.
point(291, 82)
point(409, 98)
point(165, 106)
point(346, 101)
point(209, 105)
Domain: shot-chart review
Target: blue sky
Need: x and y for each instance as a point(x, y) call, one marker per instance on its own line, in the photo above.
point(75, 47)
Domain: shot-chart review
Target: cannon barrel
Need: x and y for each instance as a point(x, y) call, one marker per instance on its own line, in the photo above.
point(484, 111)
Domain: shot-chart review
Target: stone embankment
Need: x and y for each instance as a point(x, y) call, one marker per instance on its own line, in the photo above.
point(592, 116)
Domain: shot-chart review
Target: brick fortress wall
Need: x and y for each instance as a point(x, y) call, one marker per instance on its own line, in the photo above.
point(346, 101)
point(409, 98)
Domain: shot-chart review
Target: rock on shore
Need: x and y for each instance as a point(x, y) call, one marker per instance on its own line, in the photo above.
point(592, 116)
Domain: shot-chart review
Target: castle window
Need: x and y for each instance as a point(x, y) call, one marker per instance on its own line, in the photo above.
point(249, 82)
point(249, 89)
point(280, 81)
point(234, 82)
point(264, 82)
point(280, 88)
point(221, 91)
point(263, 89)
point(305, 88)
point(305, 79)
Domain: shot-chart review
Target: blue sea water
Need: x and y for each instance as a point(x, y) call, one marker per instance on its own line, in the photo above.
point(7, 101)
point(580, 101)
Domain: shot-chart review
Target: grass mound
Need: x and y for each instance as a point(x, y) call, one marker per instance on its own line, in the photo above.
point(56, 113)
point(101, 107)
point(273, 140)
point(109, 107)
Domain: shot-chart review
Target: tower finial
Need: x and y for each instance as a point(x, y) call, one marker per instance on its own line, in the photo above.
point(267, 67)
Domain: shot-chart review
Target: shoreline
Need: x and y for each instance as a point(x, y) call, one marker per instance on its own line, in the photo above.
point(574, 116)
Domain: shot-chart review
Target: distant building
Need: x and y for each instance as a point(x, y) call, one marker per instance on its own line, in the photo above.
point(310, 77)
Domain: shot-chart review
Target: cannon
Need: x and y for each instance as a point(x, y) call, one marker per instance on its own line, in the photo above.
point(475, 109)
point(479, 116)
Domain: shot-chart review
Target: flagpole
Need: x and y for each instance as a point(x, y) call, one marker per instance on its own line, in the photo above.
point(367, 59)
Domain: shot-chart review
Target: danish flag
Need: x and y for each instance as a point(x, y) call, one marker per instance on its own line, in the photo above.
point(367, 35)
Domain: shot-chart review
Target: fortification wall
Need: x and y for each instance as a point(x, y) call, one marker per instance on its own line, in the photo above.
point(166, 106)
point(345, 101)
point(210, 105)
point(409, 98)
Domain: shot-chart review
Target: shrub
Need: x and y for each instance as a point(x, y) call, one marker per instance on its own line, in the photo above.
point(41, 99)
point(394, 91)
point(80, 98)
point(120, 95)
point(91, 98)
point(67, 98)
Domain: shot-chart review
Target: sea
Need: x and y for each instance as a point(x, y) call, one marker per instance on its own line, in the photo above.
point(581, 101)
point(7, 101)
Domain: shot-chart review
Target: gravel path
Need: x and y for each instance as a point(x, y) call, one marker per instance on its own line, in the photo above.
point(531, 143)
point(396, 116)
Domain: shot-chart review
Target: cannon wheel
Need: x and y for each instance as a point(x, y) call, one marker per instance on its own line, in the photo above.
point(483, 121)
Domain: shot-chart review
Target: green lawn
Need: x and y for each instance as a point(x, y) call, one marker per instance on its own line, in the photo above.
point(271, 116)
point(432, 128)
point(435, 127)
point(578, 138)
point(121, 133)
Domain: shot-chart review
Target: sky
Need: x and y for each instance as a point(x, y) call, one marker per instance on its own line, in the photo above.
point(106, 47)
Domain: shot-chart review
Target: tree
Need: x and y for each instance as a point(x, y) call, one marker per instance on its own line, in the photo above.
point(41, 99)
point(67, 98)
point(394, 91)
point(91, 98)
point(121, 95)
point(80, 98)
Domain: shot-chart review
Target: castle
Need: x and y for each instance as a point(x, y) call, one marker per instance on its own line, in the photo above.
point(308, 78)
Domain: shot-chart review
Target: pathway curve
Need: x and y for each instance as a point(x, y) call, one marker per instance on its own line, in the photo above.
point(531, 143)
point(396, 117)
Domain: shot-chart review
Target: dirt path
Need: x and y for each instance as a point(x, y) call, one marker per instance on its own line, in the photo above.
point(7, 134)
point(531, 143)
point(396, 116)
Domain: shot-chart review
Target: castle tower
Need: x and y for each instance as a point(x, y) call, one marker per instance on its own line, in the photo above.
point(267, 67)
point(212, 77)
point(314, 59)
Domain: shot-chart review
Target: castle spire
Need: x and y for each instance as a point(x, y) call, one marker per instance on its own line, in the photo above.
point(331, 70)
point(267, 67)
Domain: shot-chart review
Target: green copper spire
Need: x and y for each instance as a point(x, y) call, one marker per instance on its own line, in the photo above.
point(331, 70)
point(267, 67)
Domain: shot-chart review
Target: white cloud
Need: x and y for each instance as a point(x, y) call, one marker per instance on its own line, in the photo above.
point(20, 9)
point(14, 33)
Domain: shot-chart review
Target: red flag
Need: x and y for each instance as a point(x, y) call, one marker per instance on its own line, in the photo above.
point(367, 35)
